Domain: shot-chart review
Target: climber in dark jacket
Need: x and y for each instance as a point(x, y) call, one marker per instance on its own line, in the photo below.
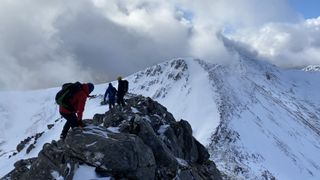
point(122, 90)
point(78, 101)
point(111, 93)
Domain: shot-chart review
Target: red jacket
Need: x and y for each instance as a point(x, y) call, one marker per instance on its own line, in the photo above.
point(78, 101)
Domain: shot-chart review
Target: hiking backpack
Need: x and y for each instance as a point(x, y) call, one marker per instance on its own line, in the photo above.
point(125, 86)
point(66, 93)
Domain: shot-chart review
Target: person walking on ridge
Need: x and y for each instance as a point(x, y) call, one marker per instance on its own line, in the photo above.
point(122, 90)
point(76, 104)
point(111, 93)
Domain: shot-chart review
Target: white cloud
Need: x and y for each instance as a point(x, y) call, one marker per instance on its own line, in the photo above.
point(30, 57)
point(287, 45)
point(46, 43)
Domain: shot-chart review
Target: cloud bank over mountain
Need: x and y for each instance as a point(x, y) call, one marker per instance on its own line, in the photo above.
point(44, 44)
point(286, 45)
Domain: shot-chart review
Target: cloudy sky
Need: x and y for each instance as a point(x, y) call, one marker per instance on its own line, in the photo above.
point(46, 43)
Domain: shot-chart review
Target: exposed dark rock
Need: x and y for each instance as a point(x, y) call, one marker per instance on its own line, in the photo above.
point(13, 154)
point(203, 154)
point(178, 137)
point(23, 143)
point(120, 154)
point(30, 148)
point(267, 175)
point(167, 164)
point(38, 135)
point(98, 119)
point(50, 126)
point(51, 160)
point(140, 141)
point(21, 167)
point(114, 117)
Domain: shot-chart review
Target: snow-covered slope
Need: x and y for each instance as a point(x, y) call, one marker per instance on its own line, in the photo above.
point(269, 122)
point(257, 120)
point(267, 118)
point(26, 114)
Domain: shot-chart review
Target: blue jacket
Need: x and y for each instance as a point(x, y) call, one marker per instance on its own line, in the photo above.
point(111, 93)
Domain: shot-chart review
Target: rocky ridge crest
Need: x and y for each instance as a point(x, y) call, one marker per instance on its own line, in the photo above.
point(141, 141)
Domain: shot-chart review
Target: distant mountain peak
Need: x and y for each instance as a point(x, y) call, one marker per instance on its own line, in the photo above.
point(175, 66)
point(312, 68)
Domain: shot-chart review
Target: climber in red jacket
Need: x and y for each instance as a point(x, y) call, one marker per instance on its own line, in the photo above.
point(78, 101)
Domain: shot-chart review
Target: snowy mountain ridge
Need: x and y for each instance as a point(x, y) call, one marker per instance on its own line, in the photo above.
point(270, 122)
point(312, 68)
point(257, 110)
point(258, 121)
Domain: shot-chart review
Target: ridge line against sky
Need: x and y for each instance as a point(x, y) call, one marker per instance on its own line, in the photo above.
point(47, 43)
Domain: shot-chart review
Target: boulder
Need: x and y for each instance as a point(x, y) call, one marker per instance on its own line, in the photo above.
point(97, 119)
point(178, 138)
point(52, 163)
point(166, 161)
point(122, 155)
point(147, 106)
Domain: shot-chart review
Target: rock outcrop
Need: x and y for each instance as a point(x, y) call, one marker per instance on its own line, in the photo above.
point(140, 141)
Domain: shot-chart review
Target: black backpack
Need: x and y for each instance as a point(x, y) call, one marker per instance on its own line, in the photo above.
point(125, 86)
point(66, 93)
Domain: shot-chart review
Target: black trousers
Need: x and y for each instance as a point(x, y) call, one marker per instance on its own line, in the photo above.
point(120, 100)
point(111, 105)
point(72, 121)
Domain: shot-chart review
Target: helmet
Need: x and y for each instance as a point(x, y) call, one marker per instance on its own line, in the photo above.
point(119, 78)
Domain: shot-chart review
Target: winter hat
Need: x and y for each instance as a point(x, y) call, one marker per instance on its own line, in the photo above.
point(91, 87)
point(119, 78)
